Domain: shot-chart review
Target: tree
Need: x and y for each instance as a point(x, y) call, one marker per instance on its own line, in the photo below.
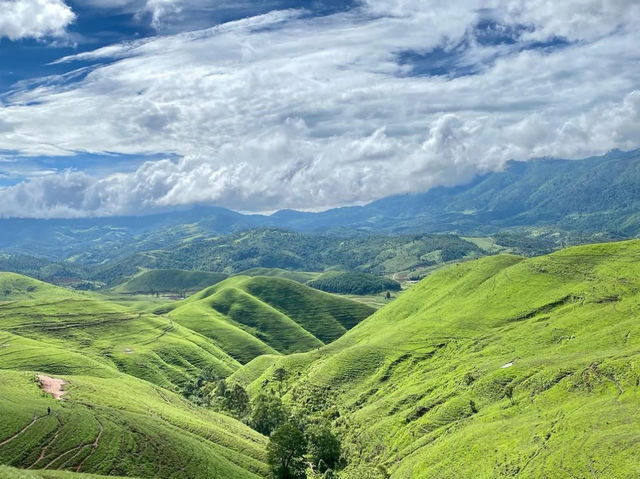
point(237, 400)
point(221, 388)
point(285, 452)
point(267, 413)
point(323, 447)
point(280, 374)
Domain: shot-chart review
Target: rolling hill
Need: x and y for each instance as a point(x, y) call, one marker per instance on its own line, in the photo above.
point(168, 281)
point(500, 367)
point(119, 413)
point(250, 316)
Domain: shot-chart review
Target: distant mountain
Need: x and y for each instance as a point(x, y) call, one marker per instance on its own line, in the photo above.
point(599, 194)
point(596, 194)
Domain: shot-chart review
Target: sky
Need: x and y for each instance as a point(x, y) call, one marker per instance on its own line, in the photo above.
point(114, 107)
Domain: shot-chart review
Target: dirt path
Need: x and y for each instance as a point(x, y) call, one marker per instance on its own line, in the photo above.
point(6, 441)
point(52, 385)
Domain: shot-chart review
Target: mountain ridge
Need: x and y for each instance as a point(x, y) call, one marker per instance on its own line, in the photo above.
point(551, 192)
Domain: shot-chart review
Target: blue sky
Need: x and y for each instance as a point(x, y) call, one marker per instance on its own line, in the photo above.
point(131, 106)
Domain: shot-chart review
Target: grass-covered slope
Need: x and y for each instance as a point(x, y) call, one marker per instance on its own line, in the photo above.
point(13, 473)
point(91, 333)
point(119, 414)
point(121, 426)
point(299, 276)
point(499, 367)
point(169, 281)
point(249, 316)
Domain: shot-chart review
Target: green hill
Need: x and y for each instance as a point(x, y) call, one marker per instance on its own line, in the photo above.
point(298, 276)
point(499, 367)
point(169, 281)
point(249, 316)
point(119, 413)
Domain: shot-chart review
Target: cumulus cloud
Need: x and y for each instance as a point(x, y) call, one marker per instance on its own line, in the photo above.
point(287, 111)
point(34, 18)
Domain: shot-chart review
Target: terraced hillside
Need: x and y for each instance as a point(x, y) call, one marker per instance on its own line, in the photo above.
point(250, 316)
point(114, 372)
point(500, 367)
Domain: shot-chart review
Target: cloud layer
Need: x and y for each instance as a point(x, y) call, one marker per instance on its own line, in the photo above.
point(287, 111)
point(34, 18)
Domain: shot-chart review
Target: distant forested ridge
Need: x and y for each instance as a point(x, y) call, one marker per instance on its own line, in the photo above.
point(354, 283)
point(599, 194)
point(274, 248)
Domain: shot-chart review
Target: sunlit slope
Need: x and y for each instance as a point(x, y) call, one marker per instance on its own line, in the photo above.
point(121, 426)
point(499, 367)
point(250, 316)
point(119, 414)
point(298, 276)
point(169, 280)
point(13, 473)
point(51, 329)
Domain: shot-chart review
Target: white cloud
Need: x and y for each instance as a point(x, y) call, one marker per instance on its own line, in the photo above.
point(34, 18)
point(160, 9)
point(284, 111)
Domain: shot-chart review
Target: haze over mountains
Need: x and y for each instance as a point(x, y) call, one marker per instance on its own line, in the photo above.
point(599, 194)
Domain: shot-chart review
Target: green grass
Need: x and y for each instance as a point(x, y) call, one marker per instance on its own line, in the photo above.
point(104, 335)
point(248, 316)
point(121, 426)
point(168, 281)
point(298, 276)
point(499, 367)
point(13, 473)
point(140, 302)
point(120, 414)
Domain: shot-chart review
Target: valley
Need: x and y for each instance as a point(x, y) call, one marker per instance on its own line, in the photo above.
point(382, 355)
point(523, 350)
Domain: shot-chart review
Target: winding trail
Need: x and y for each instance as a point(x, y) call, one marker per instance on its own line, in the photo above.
point(6, 441)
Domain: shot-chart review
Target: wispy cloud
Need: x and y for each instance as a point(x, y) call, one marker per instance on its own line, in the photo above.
point(283, 110)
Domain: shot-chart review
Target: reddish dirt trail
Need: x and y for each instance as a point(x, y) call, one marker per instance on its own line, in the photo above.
point(52, 385)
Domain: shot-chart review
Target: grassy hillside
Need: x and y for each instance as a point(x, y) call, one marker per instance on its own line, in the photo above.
point(119, 413)
point(104, 335)
point(499, 367)
point(248, 316)
point(299, 276)
point(169, 281)
point(13, 473)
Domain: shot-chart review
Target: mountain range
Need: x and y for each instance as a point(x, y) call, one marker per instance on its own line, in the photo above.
point(598, 194)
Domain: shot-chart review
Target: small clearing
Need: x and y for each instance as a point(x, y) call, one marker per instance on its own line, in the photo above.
point(52, 385)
